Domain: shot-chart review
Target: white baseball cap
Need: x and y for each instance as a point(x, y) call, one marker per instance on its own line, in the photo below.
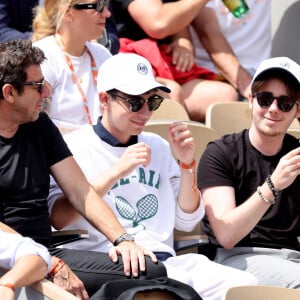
point(284, 64)
point(129, 73)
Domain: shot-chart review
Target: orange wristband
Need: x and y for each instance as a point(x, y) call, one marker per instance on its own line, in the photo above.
point(8, 285)
point(54, 270)
point(187, 167)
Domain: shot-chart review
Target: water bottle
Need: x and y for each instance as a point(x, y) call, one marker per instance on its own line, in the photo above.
point(237, 7)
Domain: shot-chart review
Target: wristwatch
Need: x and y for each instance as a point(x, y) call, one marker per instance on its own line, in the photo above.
point(124, 237)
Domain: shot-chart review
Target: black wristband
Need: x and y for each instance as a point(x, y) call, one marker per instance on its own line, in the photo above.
point(272, 187)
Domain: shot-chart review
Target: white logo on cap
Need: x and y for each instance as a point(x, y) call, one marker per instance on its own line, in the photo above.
point(142, 69)
point(285, 64)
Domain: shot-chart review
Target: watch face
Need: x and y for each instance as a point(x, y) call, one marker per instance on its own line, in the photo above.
point(128, 237)
point(124, 237)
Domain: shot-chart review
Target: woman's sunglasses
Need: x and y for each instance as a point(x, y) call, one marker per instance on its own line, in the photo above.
point(136, 103)
point(284, 103)
point(98, 6)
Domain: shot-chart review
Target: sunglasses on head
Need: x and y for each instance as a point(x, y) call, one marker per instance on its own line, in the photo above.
point(38, 85)
point(98, 6)
point(136, 102)
point(284, 103)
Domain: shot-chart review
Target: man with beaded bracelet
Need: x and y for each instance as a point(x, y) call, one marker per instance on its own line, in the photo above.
point(250, 184)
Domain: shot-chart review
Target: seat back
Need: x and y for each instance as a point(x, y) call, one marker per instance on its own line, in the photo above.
point(230, 117)
point(295, 132)
point(261, 293)
point(170, 109)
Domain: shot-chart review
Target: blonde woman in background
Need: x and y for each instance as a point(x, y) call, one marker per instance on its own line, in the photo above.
point(64, 29)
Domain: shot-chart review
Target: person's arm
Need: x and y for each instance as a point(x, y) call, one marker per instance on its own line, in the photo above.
point(183, 147)
point(25, 260)
point(90, 205)
point(26, 270)
point(164, 19)
point(210, 35)
point(6, 32)
point(231, 223)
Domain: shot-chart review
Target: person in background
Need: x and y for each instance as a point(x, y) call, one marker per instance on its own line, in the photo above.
point(250, 182)
point(16, 19)
point(25, 261)
point(31, 149)
point(164, 39)
point(64, 30)
point(139, 177)
point(110, 37)
point(232, 47)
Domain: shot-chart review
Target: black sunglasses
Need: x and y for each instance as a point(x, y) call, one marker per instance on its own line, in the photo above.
point(136, 103)
point(99, 6)
point(38, 85)
point(284, 103)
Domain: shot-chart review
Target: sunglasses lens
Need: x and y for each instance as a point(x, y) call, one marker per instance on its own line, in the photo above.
point(136, 104)
point(285, 103)
point(264, 99)
point(154, 102)
point(100, 5)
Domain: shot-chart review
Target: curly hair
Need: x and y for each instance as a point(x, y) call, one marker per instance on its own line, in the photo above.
point(15, 57)
point(48, 18)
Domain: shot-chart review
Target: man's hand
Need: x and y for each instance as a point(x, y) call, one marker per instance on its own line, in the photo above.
point(182, 54)
point(67, 280)
point(287, 170)
point(182, 142)
point(134, 155)
point(133, 257)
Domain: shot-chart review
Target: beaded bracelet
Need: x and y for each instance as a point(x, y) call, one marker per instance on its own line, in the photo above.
point(272, 187)
point(263, 198)
point(8, 285)
point(55, 269)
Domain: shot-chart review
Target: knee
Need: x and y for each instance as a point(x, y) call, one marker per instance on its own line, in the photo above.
point(245, 278)
point(154, 270)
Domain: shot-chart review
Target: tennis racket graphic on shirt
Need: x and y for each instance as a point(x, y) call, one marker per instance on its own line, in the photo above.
point(146, 208)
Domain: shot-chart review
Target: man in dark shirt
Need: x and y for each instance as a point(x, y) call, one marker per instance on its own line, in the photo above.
point(250, 184)
point(31, 148)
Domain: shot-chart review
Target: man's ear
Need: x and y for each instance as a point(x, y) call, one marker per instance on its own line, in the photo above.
point(8, 92)
point(103, 97)
point(298, 111)
point(250, 101)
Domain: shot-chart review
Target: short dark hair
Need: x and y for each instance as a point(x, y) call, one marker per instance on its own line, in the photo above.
point(15, 57)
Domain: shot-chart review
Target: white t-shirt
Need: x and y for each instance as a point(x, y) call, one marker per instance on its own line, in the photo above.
point(66, 107)
point(14, 246)
point(144, 201)
point(250, 37)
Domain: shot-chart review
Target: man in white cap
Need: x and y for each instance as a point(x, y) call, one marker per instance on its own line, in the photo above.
point(250, 184)
point(137, 175)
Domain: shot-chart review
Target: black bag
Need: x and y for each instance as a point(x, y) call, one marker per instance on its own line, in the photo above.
point(128, 289)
